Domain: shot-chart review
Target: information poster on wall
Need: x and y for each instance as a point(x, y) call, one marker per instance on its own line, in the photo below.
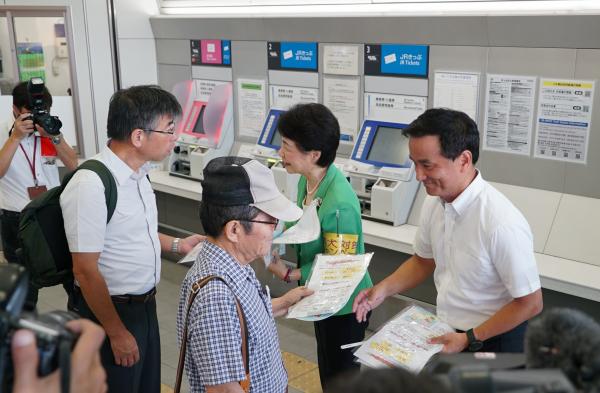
point(509, 107)
point(394, 107)
point(341, 96)
point(251, 100)
point(284, 97)
point(458, 91)
point(294, 56)
point(340, 59)
point(563, 120)
point(396, 60)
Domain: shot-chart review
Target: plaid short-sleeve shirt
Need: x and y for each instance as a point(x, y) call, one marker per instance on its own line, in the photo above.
point(214, 354)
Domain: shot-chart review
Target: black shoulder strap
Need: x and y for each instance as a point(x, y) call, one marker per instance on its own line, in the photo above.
point(108, 180)
point(243, 327)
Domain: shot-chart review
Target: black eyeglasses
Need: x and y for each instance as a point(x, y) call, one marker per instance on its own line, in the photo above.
point(263, 222)
point(169, 132)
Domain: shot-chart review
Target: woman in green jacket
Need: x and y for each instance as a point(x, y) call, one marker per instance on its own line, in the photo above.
point(310, 138)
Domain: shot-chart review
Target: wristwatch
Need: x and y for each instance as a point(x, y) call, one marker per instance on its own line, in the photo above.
point(56, 139)
point(175, 245)
point(474, 344)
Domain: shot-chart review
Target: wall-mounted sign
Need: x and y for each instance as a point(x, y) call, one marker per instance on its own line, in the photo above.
point(396, 60)
point(211, 52)
point(294, 56)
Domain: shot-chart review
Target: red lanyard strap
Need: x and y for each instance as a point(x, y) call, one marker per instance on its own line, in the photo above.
point(30, 162)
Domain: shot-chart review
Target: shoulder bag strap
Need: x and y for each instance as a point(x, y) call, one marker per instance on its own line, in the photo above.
point(244, 330)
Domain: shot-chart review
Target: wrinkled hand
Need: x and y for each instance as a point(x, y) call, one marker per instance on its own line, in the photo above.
point(367, 300)
point(87, 373)
point(293, 296)
point(277, 266)
point(124, 348)
point(187, 244)
point(23, 126)
point(452, 342)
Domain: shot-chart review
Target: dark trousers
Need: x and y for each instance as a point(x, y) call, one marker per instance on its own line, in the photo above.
point(331, 333)
point(512, 341)
point(10, 244)
point(140, 319)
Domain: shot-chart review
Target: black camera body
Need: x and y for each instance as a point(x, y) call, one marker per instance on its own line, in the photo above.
point(39, 113)
point(53, 339)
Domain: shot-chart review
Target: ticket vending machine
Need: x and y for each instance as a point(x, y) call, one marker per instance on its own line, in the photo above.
point(265, 151)
point(381, 172)
point(198, 144)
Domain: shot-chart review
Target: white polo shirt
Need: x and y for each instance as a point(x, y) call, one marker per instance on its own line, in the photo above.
point(483, 251)
point(18, 177)
point(129, 245)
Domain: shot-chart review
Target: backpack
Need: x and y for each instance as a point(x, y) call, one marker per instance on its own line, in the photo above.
point(44, 248)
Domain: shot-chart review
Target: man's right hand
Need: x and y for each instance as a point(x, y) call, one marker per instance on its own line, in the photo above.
point(124, 348)
point(367, 300)
point(23, 126)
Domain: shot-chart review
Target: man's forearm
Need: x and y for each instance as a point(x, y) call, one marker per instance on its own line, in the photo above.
point(410, 274)
point(7, 153)
point(66, 154)
point(165, 241)
point(510, 316)
point(96, 295)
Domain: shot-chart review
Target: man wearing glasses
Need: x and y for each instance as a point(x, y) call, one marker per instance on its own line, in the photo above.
point(241, 206)
point(117, 264)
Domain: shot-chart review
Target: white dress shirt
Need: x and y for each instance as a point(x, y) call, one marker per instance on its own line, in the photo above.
point(483, 251)
point(129, 245)
point(18, 177)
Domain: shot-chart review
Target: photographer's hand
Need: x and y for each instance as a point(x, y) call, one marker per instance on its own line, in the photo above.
point(87, 374)
point(23, 126)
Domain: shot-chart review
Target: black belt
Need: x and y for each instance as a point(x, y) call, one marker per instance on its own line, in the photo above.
point(10, 213)
point(143, 298)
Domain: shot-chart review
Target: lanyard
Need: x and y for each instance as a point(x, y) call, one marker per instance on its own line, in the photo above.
point(30, 162)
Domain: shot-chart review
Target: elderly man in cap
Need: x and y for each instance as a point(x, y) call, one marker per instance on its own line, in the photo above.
point(240, 209)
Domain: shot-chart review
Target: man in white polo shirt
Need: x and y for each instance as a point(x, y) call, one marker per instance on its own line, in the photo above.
point(27, 168)
point(477, 245)
point(117, 265)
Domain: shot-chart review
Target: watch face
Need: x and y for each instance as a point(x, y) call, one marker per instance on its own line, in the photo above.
point(475, 346)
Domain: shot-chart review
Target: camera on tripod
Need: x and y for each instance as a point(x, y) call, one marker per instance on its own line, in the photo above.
point(39, 112)
point(54, 341)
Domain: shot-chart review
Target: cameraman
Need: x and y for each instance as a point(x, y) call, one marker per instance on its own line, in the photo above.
point(27, 168)
point(87, 374)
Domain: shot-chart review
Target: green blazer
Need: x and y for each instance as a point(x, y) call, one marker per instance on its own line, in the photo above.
point(339, 213)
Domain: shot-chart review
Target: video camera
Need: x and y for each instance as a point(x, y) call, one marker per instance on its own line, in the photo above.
point(39, 112)
point(54, 341)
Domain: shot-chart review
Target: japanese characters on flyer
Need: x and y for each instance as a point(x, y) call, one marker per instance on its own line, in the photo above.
point(509, 113)
point(563, 120)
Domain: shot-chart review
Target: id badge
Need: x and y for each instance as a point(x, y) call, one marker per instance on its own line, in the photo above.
point(36, 191)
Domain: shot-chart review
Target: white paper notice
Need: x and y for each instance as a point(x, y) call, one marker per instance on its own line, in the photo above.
point(402, 342)
point(563, 120)
point(333, 278)
point(509, 113)
point(393, 107)
point(458, 91)
point(340, 59)
point(284, 97)
point(341, 97)
point(190, 257)
point(252, 96)
point(204, 88)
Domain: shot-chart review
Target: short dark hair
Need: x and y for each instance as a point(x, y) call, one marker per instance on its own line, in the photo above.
point(214, 217)
point(385, 381)
point(456, 131)
point(312, 127)
point(21, 97)
point(139, 107)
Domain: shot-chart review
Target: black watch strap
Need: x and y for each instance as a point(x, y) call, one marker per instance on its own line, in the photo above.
point(474, 344)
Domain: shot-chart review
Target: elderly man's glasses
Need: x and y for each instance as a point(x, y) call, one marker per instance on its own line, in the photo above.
point(169, 132)
point(263, 222)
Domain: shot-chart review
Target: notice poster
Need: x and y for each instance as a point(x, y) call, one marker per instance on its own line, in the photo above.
point(341, 97)
point(252, 96)
point(563, 120)
point(458, 91)
point(509, 113)
point(284, 97)
point(340, 59)
point(394, 108)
